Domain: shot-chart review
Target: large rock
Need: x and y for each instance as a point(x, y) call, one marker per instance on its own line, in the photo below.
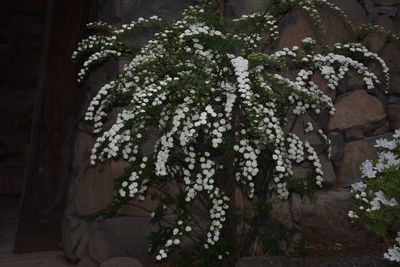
point(122, 262)
point(387, 2)
point(335, 27)
point(391, 55)
point(120, 236)
point(82, 151)
point(375, 41)
point(323, 220)
point(75, 237)
point(295, 29)
point(94, 189)
point(87, 262)
point(323, 86)
point(357, 109)
point(354, 154)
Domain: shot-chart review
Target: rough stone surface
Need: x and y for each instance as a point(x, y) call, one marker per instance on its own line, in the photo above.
point(295, 29)
point(322, 220)
point(94, 189)
point(87, 262)
point(387, 2)
point(375, 42)
point(337, 147)
point(394, 116)
point(82, 150)
point(353, 134)
point(389, 11)
point(120, 236)
point(323, 86)
point(354, 154)
point(353, 81)
point(327, 168)
point(356, 109)
point(75, 237)
point(122, 262)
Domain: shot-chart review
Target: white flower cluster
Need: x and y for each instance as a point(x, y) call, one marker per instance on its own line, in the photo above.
point(393, 253)
point(219, 110)
point(370, 193)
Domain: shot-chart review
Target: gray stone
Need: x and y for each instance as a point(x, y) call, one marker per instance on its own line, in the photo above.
point(87, 262)
point(122, 262)
point(337, 147)
point(75, 237)
point(357, 109)
point(353, 134)
point(93, 189)
point(387, 2)
point(120, 236)
point(394, 100)
point(273, 261)
point(394, 116)
point(389, 11)
point(370, 8)
point(327, 168)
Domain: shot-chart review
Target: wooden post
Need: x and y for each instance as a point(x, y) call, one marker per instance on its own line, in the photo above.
point(46, 178)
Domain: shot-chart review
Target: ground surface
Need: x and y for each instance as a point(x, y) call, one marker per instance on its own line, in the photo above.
point(42, 259)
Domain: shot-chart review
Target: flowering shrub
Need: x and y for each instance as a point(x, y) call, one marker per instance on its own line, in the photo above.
point(378, 193)
point(220, 105)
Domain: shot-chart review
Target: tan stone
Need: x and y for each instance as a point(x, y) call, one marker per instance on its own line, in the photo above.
point(323, 220)
point(94, 189)
point(353, 9)
point(296, 28)
point(82, 150)
point(122, 262)
point(354, 154)
point(357, 109)
point(323, 86)
point(99, 246)
point(375, 41)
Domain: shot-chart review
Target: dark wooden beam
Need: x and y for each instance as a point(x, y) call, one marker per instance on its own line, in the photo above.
point(56, 108)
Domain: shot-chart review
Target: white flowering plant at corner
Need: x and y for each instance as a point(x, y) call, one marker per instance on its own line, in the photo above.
point(220, 105)
point(377, 194)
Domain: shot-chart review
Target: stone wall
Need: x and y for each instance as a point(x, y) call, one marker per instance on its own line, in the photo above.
point(361, 118)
